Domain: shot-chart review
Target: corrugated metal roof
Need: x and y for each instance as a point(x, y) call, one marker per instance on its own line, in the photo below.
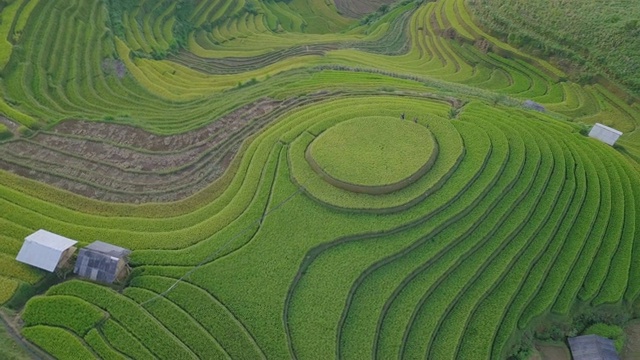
point(43, 249)
point(51, 240)
point(96, 266)
point(99, 261)
point(592, 347)
point(109, 249)
point(605, 134)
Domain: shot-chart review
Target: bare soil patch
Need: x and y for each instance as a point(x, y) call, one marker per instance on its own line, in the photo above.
point(236, 65)
point(122, 163)
point(547, 351)
point(631, 349)
point(11, 125)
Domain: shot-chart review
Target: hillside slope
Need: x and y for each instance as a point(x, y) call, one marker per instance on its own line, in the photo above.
point(188, 132)
point(596, 36)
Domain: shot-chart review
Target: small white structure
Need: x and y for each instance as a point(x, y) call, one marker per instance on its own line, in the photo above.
point(605, 134)
point(46, 250)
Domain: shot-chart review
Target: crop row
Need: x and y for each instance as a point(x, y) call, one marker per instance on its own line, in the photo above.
point(123, 341)
point(398, 308)
point(433, 246)
point(450, 152)
point(421, 325)
point(58, 342)
point(69, 312)
point(441, 206)
point(80, 95)
point(99, 346)
point(457, 272)
point(96, 168)
point(181, 324)
point(561, 285)
point(8, 286)
point(490, 239)
point(139, 322)
point(540, 237)
point(215, 317)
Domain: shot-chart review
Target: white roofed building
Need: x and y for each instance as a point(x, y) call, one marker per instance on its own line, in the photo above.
point(605, 134)
point(46, 250)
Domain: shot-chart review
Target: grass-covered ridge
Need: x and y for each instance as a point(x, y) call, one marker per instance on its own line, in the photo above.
point(184, 130)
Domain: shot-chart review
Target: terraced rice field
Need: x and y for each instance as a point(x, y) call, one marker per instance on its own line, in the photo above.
point(195, 133)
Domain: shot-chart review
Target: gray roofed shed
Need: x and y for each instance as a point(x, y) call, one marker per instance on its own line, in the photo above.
point(592, 347)
point(100, 261)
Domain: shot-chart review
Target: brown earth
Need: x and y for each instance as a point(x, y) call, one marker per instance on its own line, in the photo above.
point(12, 126)
point(631, 349)
point(547, 351)
point(126, 164)
point(235, 65)
point(122, 163)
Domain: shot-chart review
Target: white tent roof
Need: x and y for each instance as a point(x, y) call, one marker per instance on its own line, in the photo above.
point(43, 249)
point(615, 131)
point(605, 134)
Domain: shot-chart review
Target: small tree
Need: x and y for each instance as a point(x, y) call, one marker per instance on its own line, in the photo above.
point(4, 132)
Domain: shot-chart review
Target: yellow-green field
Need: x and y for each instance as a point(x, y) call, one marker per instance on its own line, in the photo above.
point(185, 131)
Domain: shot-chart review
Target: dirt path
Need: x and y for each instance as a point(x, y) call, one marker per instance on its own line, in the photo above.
point(547, 351)
point(631, 349)
point(14, 346)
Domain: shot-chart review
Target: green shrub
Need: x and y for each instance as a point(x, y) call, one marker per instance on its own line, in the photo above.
point(25, 131)
point(613, 332)
point(4, 132)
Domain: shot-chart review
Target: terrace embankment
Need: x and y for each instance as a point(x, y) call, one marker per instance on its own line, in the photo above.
point(121, 163)
point(357, 8)
point(237, 65)
point(374, 155)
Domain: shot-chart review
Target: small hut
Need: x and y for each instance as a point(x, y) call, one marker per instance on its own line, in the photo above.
point(605, 134)
point(102, 262)
point(46, 250)
point(532, 105)
point(592, 347)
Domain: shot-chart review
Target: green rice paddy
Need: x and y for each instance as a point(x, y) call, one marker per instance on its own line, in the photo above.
point(374, 152)
point(253, 157)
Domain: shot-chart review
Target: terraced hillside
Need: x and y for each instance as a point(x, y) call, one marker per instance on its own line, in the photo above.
point(296, 182)
point(598, 38)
